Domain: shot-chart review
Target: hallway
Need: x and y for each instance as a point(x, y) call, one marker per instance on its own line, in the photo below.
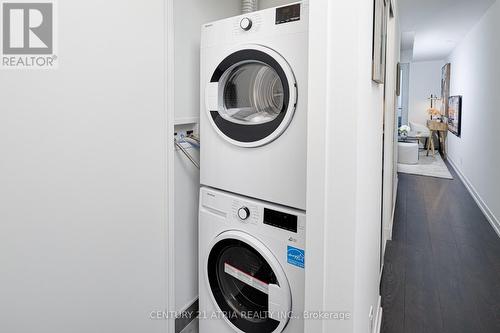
point(442, 268)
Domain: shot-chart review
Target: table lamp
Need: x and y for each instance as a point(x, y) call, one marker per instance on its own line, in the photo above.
point(432, 111)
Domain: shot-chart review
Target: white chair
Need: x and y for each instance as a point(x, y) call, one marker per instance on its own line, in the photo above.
point(408, 152)
point(420, 131)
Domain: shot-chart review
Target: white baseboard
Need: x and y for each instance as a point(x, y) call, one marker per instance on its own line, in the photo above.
point(378, 317)
point(495, 223)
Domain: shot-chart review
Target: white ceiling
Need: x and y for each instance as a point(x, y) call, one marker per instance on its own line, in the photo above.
point(432, 28)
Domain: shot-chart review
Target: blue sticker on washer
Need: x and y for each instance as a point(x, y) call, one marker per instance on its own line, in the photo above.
point(296, 256)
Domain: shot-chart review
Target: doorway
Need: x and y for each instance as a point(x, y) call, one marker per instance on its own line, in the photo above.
point(403, 98)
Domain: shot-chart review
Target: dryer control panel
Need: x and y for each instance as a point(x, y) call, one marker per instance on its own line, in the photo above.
point(288, 14)
point(263, 26)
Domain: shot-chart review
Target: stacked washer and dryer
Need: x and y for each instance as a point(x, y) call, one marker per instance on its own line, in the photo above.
point(253, 171)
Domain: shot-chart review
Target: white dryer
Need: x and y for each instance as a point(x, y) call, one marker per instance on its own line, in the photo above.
point(254, 104)
point(252, 259)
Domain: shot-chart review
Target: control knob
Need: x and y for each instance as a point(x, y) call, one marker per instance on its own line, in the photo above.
point(246, 24)
point(243, 213)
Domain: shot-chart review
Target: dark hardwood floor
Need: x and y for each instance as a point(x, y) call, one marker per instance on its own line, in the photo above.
point(442, 268)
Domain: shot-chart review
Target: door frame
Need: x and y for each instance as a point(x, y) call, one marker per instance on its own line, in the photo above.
point(389, 168)
point(169, 110)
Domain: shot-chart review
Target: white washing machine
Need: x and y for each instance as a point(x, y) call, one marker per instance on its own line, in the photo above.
point(254, 104)
point(252, 260)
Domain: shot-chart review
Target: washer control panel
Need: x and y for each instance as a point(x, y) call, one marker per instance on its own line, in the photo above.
point(245, 212)
point(253, 216)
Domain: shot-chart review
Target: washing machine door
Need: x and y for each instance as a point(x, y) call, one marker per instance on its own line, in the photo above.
point(251, 97)
point(248, 284)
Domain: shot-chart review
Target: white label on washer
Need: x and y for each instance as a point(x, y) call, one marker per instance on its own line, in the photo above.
point(246, 278)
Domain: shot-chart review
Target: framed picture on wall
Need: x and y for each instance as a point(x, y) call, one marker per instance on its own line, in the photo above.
point(455, 115)
point(380, 18)
point(445, 88)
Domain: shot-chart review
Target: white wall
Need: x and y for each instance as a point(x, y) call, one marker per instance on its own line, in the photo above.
point(370, 125)
point(331, 189)
point(186, 96)
point(406, 56)
point(475, 74)
point(82, 176)
point(425, 79)
point(390, 127)
point(344, 181)
point(189, 15)
point(274, 3)
point(187, 188)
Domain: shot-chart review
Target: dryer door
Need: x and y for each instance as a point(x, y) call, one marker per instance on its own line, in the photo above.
point(248, 284)
point(251, 96)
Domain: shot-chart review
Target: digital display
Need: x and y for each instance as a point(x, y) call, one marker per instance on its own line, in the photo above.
point(288, 14)
point(280, 220)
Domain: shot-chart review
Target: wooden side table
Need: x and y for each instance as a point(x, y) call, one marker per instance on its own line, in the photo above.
point(442, 131)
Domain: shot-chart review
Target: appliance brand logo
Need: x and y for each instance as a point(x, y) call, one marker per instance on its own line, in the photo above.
point(28, 34)
point(296, 257)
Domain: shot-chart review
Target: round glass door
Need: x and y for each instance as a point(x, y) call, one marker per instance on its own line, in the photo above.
point(253, 96)
point(241, 279)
